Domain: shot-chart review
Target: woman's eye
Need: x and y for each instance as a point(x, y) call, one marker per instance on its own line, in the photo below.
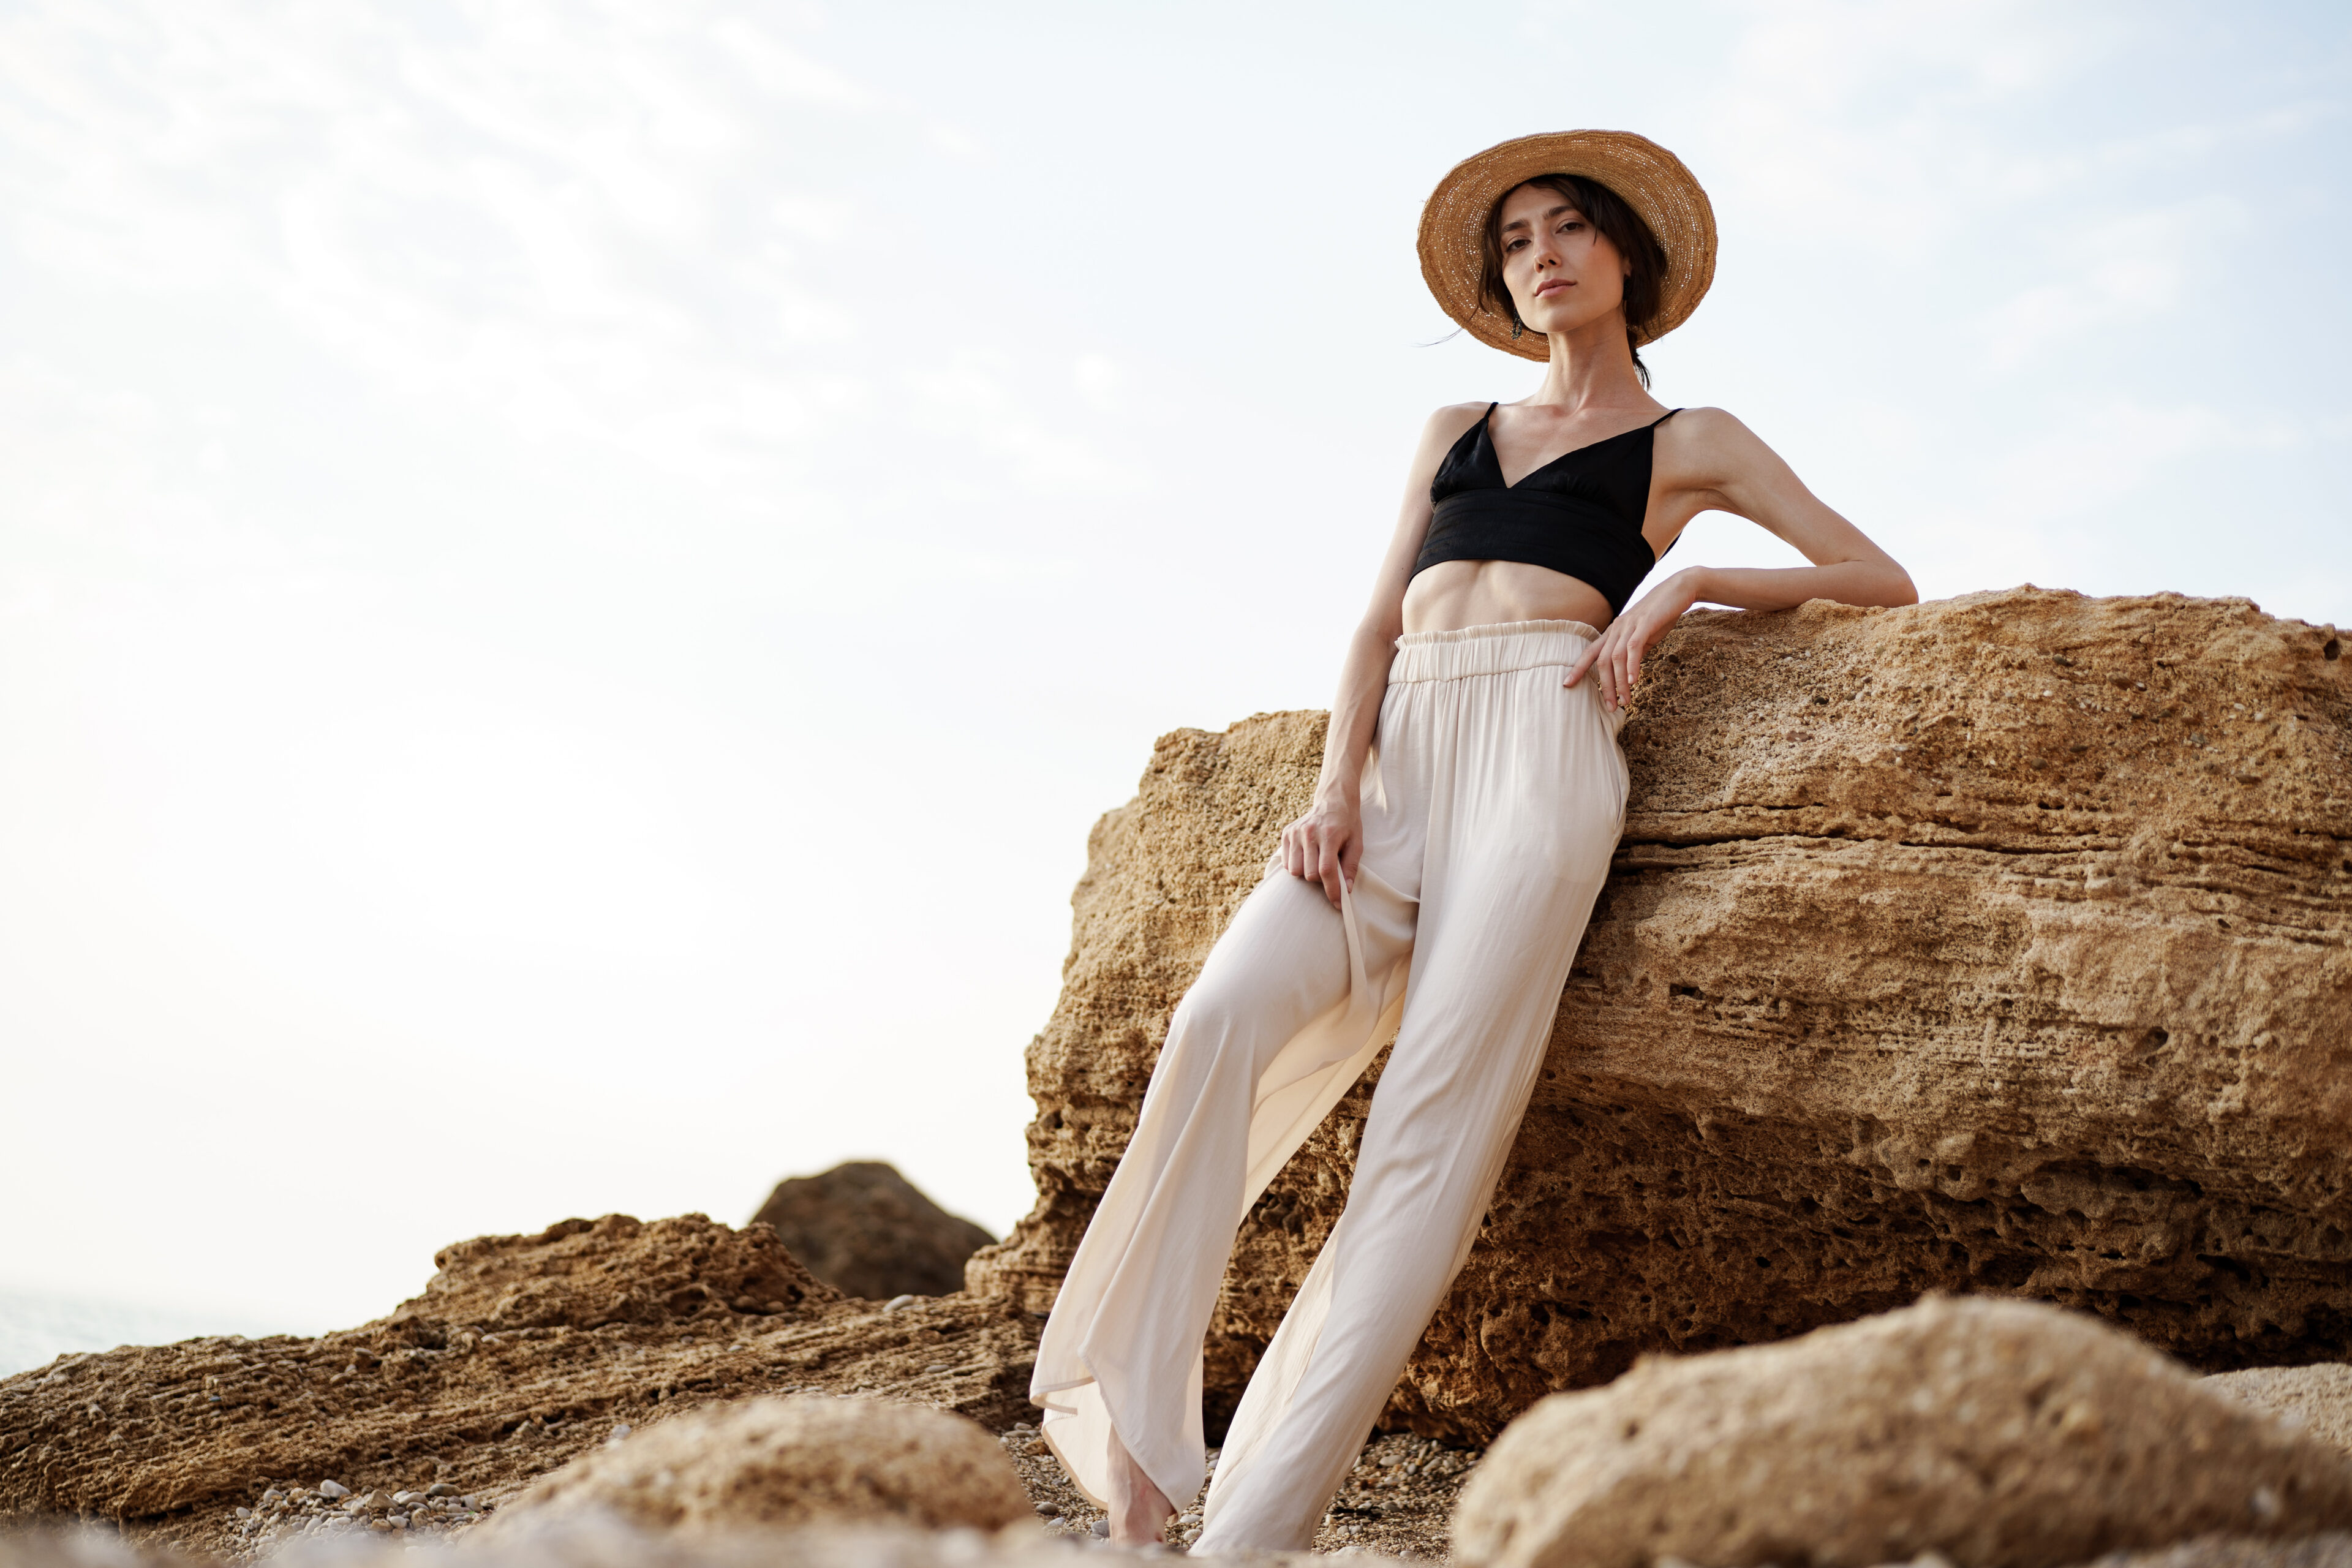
point(1513, 245)
point(1571, 227)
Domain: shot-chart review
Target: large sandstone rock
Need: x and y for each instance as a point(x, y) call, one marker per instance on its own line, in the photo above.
point(522, 1353)
point(864, 1229)
point(775, 1463)
point(2001, 944)
point(1999, 1434)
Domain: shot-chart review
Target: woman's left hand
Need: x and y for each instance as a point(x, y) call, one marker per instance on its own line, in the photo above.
point(1615, 660)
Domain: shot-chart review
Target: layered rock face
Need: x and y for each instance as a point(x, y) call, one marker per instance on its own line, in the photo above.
point(866, 1230)
point(2000, 945)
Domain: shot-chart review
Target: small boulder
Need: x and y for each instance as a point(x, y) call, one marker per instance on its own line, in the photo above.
point(768, 1462)
point(2318, 1397)
point(864, 1229)
point(1999, 1434)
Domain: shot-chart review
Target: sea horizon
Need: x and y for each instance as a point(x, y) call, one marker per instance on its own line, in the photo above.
point(37, 1326)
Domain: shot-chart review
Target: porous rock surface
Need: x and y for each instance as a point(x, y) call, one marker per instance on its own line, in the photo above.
point(1998, 1433)
point(522, 1353)
point(866, 1230)
point(1999, 944)
point(779, 1463)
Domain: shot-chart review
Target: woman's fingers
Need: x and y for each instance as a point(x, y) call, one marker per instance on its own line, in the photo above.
point(1308, 852)
point(1583, 662)
point(1615, 663)
point(1323, 853)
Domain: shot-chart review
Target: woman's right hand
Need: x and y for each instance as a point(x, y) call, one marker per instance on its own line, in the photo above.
point(1325, 845)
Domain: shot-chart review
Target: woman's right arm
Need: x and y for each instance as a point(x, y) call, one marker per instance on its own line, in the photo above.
point(1326, 843)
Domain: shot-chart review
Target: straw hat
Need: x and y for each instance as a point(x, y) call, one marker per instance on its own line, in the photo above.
point(1652, 180)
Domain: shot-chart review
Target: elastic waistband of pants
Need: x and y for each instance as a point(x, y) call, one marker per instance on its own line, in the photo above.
point(1487, 650)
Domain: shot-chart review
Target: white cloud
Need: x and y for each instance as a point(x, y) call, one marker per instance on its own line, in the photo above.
point(2130, 268)
point(1097, 378)
point(2117, 451)
point(615, 223)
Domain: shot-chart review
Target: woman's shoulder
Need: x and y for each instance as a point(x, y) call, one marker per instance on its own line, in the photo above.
point(1448, 423)
point(1704, 438)
point(1702, 421)
point(1707, 447)
point(1702, 425)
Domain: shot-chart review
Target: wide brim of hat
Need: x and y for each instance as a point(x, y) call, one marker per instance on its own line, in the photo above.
point(1652, 180)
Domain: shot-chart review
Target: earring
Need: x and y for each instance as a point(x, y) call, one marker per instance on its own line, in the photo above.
point(1517, 327)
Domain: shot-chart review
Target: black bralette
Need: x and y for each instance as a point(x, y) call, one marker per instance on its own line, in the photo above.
point(1581, 514)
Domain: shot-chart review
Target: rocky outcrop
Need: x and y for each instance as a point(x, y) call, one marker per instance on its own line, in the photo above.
point(782, 1463)
point(522, 1354)
point(1997, 1434)
point(1999, 945)
point(866, 1230)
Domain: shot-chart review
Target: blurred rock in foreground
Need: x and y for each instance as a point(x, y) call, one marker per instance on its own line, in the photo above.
point(865, 1230)
point(782, 1463)
point(1995, 1433)
point(2317, 1397)
point(608, 1544)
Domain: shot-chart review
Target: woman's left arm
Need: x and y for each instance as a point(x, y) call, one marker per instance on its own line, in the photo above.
point(1708, 461)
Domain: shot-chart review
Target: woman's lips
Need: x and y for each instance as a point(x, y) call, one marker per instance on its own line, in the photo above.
point(1554, 287)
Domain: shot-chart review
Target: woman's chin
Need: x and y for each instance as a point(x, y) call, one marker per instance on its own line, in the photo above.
point(1558, 322)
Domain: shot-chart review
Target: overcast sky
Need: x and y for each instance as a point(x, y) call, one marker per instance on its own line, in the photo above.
point(573, 576)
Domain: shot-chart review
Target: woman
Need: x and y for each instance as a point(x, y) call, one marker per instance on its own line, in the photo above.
point(1471, 794)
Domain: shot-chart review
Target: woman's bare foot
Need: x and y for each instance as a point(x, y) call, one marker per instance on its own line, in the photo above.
point(1140, 1511)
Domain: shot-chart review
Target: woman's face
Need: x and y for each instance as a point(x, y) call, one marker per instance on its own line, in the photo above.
point(1561, 271)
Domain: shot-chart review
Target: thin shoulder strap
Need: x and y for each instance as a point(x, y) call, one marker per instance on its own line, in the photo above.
point(1661, 419)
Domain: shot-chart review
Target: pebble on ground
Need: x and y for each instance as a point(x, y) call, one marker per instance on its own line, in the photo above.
point(288, 1512)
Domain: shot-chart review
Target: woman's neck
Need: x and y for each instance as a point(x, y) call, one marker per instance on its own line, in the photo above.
point(1591, 366)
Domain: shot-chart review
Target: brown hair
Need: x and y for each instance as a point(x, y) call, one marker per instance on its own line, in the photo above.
point(1619, 224)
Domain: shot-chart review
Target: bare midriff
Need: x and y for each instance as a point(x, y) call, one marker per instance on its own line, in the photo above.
point(1456, 594)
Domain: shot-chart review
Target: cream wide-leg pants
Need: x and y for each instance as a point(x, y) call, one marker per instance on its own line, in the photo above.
point(1492, 804)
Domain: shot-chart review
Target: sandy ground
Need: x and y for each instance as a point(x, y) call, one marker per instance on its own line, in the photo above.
point(1398, 1500)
